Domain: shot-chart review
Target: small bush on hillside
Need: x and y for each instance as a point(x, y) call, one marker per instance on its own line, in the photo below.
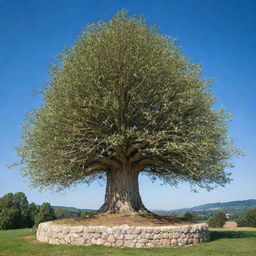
point(217, 220)
point(83, 213)
point(62, 213)
point(188, 216)
point(248, 220)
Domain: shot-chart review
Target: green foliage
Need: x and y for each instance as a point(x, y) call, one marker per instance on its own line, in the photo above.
point(189, 216)
point(10, 218)
point(62, 213)
point(125, 95)
point(45, 213)
point(33, 210)
point(248, 220)
point(217, 220)
point(83, 213)
point(21, 202)
point(15, 211)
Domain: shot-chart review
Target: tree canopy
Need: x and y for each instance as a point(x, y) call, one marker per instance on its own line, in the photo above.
point(16, 212)
point(248, 219)
point(217, 220)
point(45, 213)
point(124, 99)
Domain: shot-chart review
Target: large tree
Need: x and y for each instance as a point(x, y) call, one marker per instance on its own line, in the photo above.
point(125, 100)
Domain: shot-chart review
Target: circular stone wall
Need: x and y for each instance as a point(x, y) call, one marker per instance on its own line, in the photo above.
point(123, 236)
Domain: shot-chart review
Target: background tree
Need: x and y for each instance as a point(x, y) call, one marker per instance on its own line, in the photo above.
point(217, 220)
point(33, 210)
point(83, 213)
point(125, 100)
point(188, 216)
point(16, 212)
point(62, 213)
point(10, 218)
point(21, 202)
point(45, 213)
point(10, 211)
point(248, 220)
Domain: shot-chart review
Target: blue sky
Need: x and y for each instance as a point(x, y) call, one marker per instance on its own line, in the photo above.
point(220, 35)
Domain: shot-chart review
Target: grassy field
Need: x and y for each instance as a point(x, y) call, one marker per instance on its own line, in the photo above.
point(223, 243)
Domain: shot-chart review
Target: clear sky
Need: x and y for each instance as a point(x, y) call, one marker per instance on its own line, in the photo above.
point(220, 35)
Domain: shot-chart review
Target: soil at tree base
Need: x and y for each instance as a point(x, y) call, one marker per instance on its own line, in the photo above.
point(151, 220)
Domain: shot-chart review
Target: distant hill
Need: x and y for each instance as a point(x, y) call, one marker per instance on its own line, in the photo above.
point(236, 207)
point(233, 205)
point(72, 209)
point(228, 207)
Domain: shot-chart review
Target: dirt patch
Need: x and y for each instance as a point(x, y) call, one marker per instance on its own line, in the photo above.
point(31, 239)
point(230, 225)
point(151, 220)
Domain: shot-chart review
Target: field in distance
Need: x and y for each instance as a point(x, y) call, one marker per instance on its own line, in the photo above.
point(241, 242)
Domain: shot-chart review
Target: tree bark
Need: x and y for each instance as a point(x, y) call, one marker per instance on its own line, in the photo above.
point(122, 193)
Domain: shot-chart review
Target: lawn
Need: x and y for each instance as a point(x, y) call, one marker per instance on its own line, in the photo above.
point(223, 243)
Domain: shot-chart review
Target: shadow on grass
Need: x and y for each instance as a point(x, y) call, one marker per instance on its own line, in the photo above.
point(215, 235)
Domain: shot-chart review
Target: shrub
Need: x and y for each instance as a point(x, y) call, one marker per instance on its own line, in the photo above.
point(217, 220)
point(62, 213)
point(248, 220)
point(83, 213)
point(188, 216)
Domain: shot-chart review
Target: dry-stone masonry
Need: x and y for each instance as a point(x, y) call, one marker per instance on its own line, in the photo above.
point(123, 236)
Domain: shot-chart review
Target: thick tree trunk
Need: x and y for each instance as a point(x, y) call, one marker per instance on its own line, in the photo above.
point(122, 193)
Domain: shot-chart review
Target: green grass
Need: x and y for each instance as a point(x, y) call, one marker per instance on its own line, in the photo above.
point(223, 243)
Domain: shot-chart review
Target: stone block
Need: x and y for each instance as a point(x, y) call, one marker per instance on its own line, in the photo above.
point(166, 235)
point(100, 241)
point(109, 230)
point(130, 230)
point(107, 244)
point(140, 245)
point(56, 228)
point(119, 243)
point(60, 235)
point(95, 235)
point(138, 230)
point(174, 242)
point(176, 235)
point(143, 241)
point(129, 236)
point(91, 229)
point(86, 236)
point(149, 236)
point(165, 242)
point(104, 236)
point(94, 241)
point(66, 230)
point(132, 244)
point(75, 235)
point(127, 243)
point(157, 236)
point(111, 239)
point(119, 236)
point(156, 230)
point(76, 229)
point(80, 241)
